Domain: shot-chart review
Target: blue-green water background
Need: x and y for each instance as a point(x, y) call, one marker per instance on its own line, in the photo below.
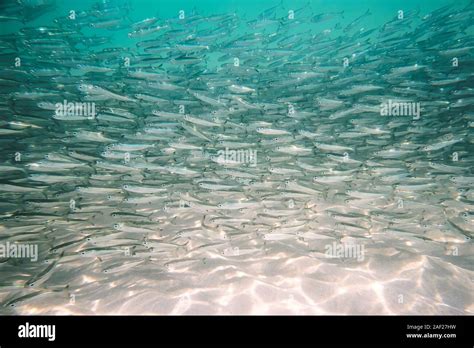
point(382, 12)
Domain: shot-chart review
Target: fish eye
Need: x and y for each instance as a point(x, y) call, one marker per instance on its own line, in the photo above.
point(125, 186)
point(116, 226)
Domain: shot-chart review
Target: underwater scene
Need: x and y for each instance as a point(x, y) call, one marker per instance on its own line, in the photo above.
point(236, 157)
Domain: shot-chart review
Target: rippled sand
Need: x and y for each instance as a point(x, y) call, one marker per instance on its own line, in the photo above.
point(281, 277)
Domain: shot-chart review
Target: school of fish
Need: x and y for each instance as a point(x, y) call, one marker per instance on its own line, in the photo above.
point(209, 166)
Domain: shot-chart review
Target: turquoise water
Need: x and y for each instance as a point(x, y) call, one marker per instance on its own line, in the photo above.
point(137, 10)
